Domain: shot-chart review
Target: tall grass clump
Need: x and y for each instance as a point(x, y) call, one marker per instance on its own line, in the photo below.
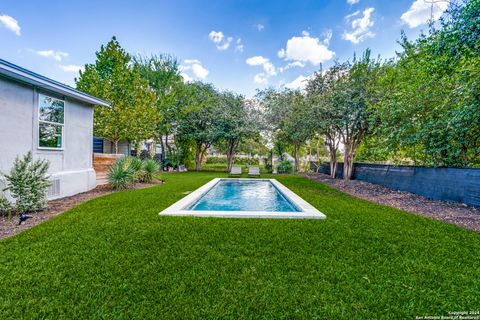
point(123, 173)
point(129, 170)
point(149, 170)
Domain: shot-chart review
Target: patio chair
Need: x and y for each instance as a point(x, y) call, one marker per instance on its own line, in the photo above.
point(254, 171)
point(182, 168)
point(236, 171)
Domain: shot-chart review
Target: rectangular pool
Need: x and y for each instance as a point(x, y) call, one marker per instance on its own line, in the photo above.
point(244, 198)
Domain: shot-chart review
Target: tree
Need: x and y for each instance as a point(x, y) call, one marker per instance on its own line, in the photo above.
point(324, 91)
point(233, 122)
point(432, 112)
point(131, 115)
point(289, 115)
point(163, 75)
point(197, 123)
point(355, 100)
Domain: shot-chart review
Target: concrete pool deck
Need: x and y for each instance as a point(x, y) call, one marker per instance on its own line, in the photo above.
point(307, 211)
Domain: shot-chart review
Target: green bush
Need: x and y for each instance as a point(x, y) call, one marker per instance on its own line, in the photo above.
point(124, 172)
point(285, 167)
point(4, 204)
point(268, 167)
point(128, 170)
point(28, 183)
point(148, 170)
point(236, 160)
point(217, 160)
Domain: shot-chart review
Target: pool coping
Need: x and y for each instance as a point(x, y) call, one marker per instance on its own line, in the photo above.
point(307, 210)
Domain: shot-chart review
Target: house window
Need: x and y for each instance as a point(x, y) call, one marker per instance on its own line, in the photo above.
point(50, 122)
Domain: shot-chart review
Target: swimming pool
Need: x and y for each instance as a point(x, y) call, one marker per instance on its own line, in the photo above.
point(244, 198)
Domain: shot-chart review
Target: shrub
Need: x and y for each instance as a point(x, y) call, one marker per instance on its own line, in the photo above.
point(28, 183)
point(236, 160)
point(4, 204)
point(149, 169)
point(217, 160)
point(124, 172)
point(268, 167)
point(285, 167)
point(128, 170)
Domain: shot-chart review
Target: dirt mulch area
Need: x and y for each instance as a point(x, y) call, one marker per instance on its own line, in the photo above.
point(9, 226)
point(454, 213)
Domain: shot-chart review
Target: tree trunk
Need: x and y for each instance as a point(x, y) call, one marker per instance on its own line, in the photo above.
point(297, 161)
point(318, 155)
point(169, 148)
point(309, 156)
point(198, 157)
point(153, 149)
point(115, 146)
point(163, 148)
point(347, 167)
point(232, 145)
point(333, 164)
point(348, 162)
point(138, 149)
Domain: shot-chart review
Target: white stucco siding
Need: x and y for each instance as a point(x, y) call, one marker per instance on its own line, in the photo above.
point(78, 136)
point(16, 122)
point(71, 166)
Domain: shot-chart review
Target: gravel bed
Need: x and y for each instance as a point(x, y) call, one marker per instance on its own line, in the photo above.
point(451, 212)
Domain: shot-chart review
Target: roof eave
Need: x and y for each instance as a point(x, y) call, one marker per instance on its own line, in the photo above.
point(26, 76)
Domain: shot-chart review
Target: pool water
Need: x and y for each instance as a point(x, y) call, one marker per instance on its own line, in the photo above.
point(231, 195)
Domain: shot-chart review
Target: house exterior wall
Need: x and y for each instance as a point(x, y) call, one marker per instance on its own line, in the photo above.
point(71, 168)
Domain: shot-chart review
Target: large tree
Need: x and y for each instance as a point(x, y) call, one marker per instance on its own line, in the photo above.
point(324, 92)
point(234, 122)
point(289, 115)
point(131, 115)
point(432, 112)
point(356, 98)
point(197, 123)
point(163, 75)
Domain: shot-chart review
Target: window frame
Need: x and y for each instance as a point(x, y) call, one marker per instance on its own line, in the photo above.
point(61, 125)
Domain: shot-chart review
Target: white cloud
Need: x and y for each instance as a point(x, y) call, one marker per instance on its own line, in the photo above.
point(348, 17)
point(260, 27)
point(327, 37)
point(191, 61)
point(10, 23)
point(221, 42)
point(186, 77)
point(239, 47)
point(71, 67)
point(306, 49)
point(56, 55)
point(361, 27)
point(260, 79)
point(295, 64)
point(353, 1)
point(195, 67)
point(199, 71)
point(299, 83)
point(268, 67)
point(421, 11)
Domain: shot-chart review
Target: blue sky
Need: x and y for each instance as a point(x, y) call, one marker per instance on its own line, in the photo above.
point(236, 45)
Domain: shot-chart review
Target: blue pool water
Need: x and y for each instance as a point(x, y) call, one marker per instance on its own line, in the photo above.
point(231, 195)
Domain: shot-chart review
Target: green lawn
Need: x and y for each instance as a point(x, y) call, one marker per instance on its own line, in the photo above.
point(114, 257)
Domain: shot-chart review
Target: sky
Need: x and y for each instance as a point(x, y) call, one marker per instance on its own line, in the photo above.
point(238, 45)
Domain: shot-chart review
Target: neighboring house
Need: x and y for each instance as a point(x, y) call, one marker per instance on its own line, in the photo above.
point(53, 121)
point(102, 145)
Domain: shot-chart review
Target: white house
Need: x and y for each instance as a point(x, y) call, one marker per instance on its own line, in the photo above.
point(53, 121)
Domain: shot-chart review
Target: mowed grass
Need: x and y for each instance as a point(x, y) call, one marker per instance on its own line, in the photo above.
point(115, 258)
